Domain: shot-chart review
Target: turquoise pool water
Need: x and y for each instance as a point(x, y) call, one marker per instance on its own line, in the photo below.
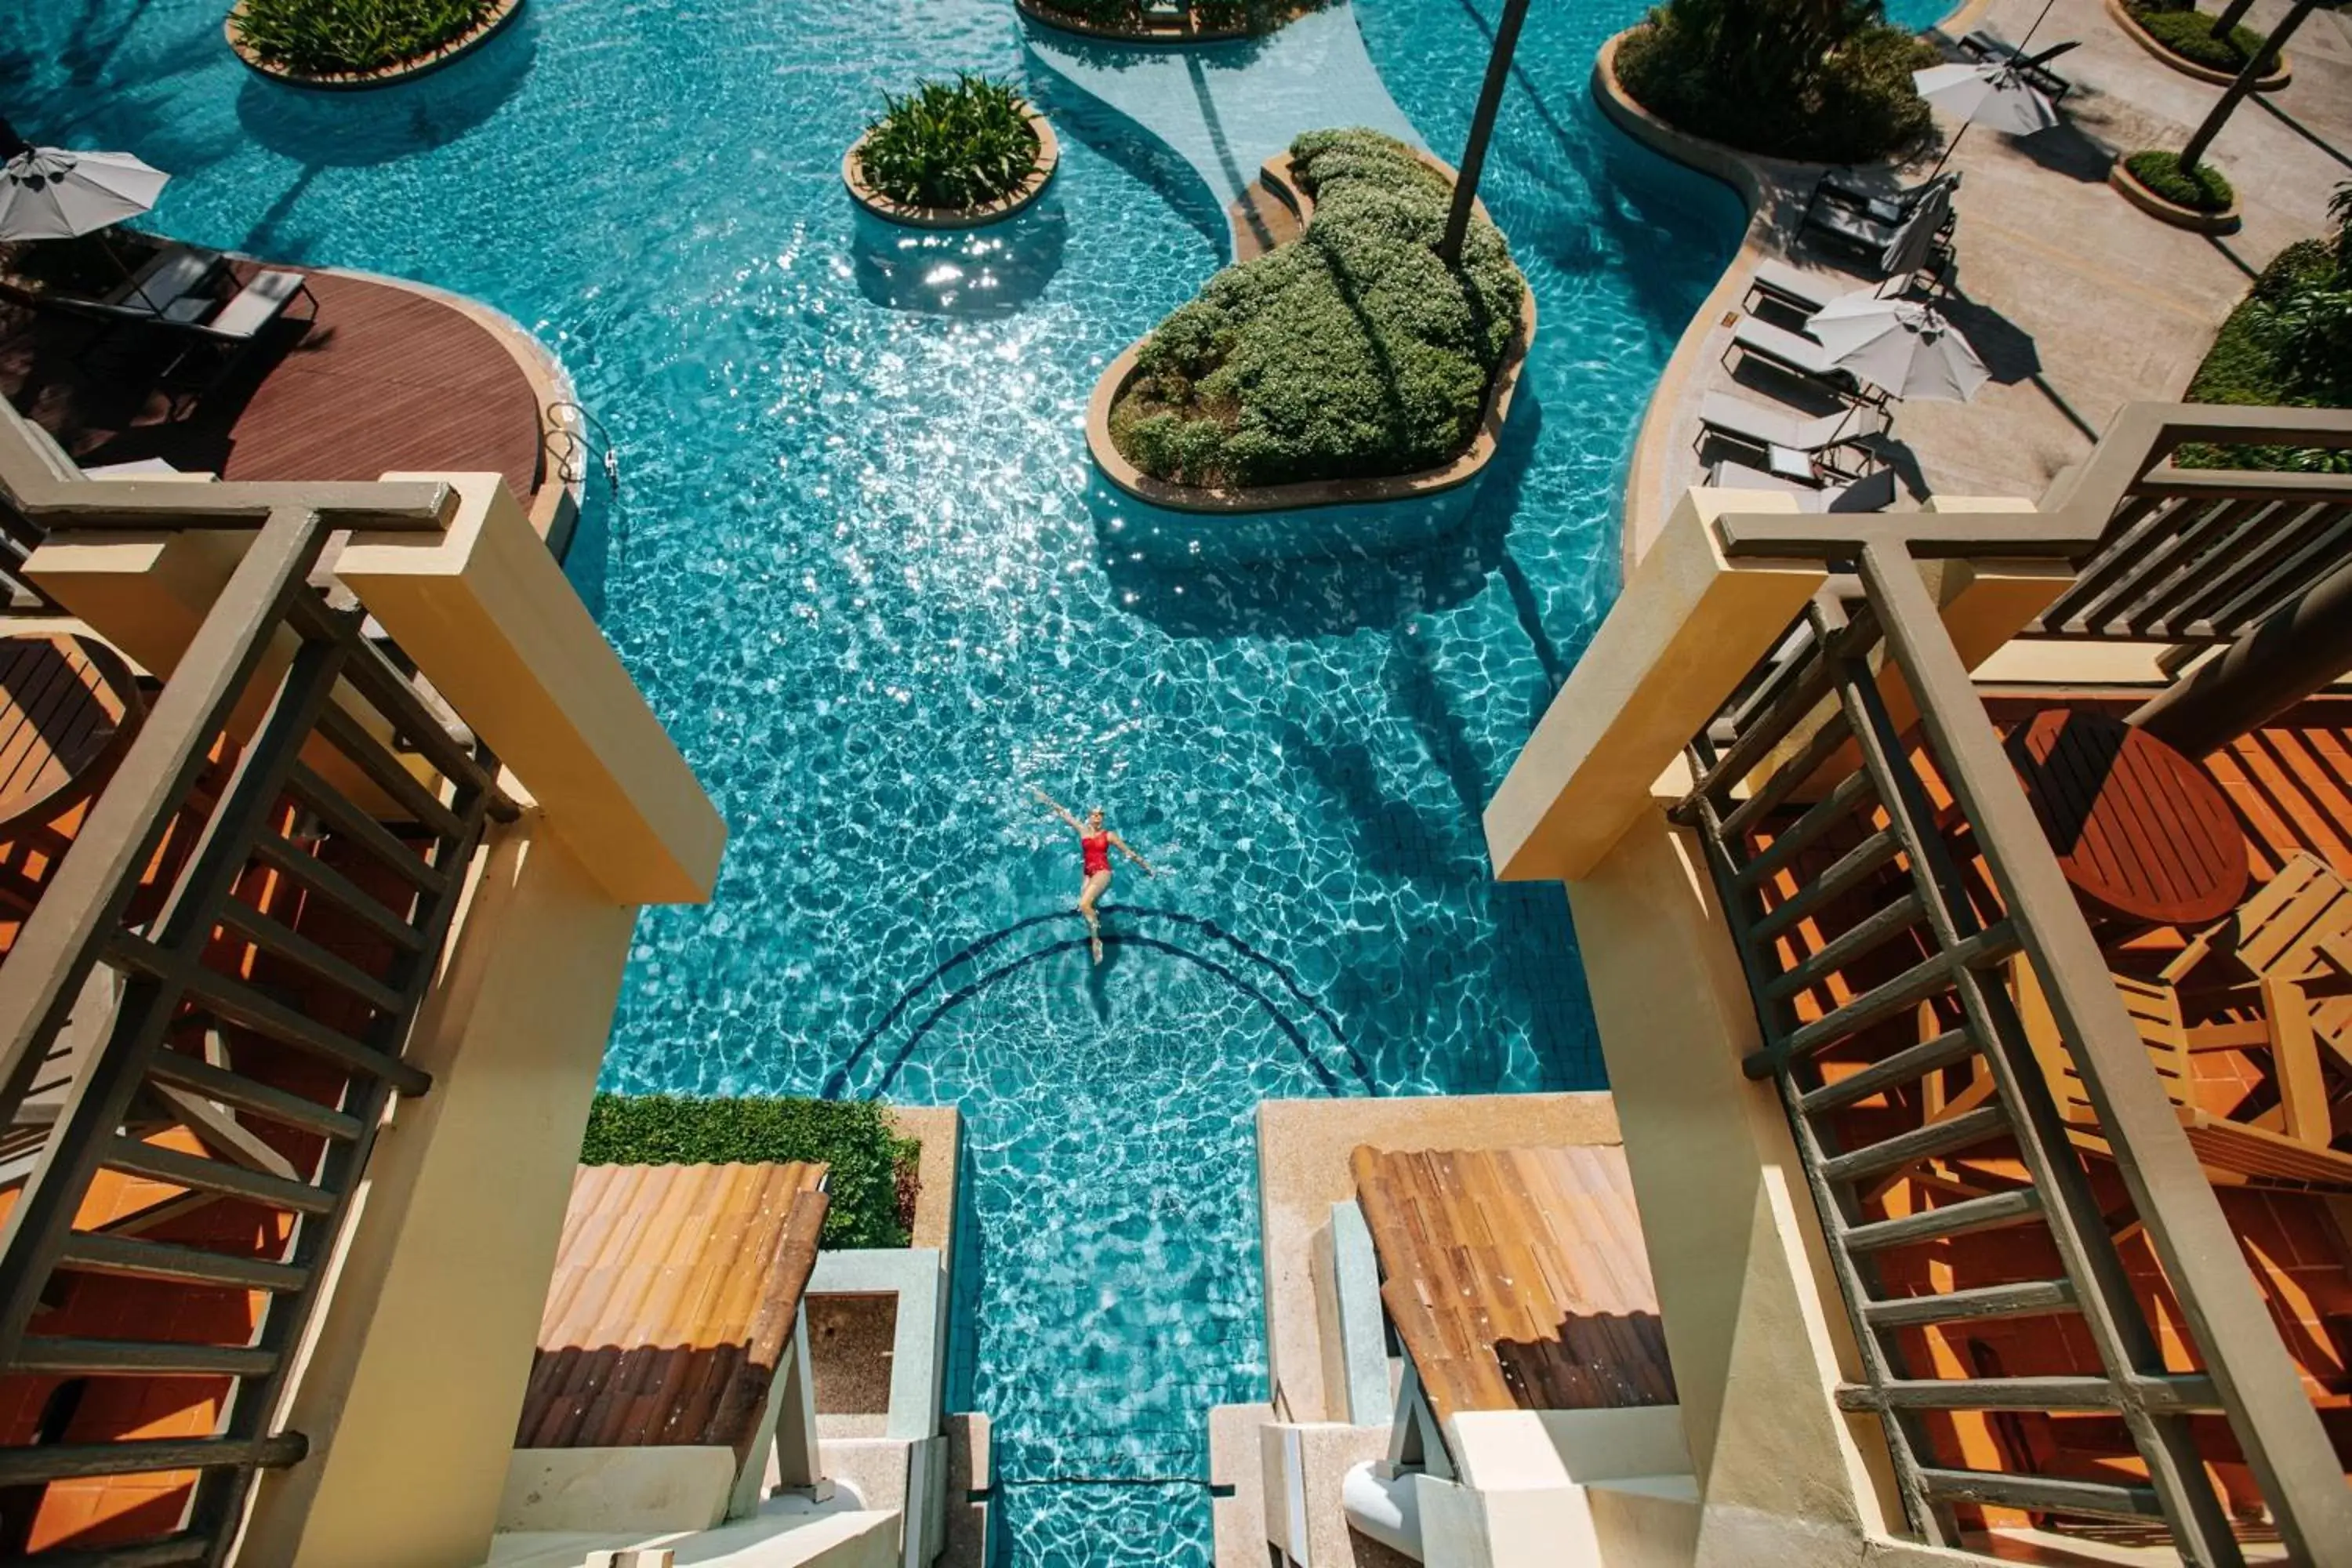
point(855, 564)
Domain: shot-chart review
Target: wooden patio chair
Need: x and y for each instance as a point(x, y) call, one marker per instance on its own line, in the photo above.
point(2287, 1146)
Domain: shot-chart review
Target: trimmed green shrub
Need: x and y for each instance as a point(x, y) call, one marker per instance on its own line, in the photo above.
point(2204, 189)
point(1825, 81)
point(852, 1138)
point(2287, 344)
point(1351, 353)
point(326, 37)
point(959, 146)
point(2189, 34)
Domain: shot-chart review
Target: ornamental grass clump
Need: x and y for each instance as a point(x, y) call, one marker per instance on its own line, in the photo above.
point(957, 145)
point(335, 38)
point(1828, 80)
point(2203, 188)
point(1352, 353)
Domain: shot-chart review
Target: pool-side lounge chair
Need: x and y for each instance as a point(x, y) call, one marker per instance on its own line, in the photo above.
point(1795, 290)
point(1740, 423)
point(1872, 493)
point(1794, 354)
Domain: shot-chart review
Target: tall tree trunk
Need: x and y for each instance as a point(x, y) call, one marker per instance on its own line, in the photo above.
point(2231, 14)
point(2255, 69)
point(1482, 130)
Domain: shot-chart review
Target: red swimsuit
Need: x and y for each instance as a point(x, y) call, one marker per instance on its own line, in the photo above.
point(1096, 847)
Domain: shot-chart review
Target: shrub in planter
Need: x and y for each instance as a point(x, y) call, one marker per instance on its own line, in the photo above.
point(331, 38)
point(866, 1159)
point(957, 145)
point(2204, 189)
point(2188, 33)
point(1352, 353)
point(1827, 80)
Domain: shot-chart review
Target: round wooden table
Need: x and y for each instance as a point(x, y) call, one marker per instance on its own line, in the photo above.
point(2144, 834)
point(68, 707)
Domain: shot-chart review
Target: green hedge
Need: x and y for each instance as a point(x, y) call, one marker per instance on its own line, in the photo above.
point(1830, 82)
point(325, 38)
point(2287, 344)
point(2204, 189)
point(854, 1138)
point(1352, 353)
point(2188, 33)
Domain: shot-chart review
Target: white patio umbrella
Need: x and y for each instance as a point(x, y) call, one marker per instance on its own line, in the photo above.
point(1907, 348)
point(49, 193)
point(1993, 95)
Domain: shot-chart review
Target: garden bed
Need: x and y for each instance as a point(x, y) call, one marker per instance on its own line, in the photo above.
point(1348, 366)
point(1197, 22)
point(2152, 181)
point(951, 155)
point(872, 1182)
point(1049, 158)
point(1826, 98)
point(2181, 37)
point(347, 44)
point(2274, 353)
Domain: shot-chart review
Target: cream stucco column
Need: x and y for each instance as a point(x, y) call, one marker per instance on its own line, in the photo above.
point(1688, 626)
point(410, 1393)
point(1751, 1316)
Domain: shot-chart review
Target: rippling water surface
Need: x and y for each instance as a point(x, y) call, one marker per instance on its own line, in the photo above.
point(853, 563)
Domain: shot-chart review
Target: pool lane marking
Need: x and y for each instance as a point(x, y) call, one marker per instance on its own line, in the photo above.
point(965, 992)
point(836, 1082)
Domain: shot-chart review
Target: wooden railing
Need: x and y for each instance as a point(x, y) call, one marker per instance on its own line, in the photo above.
point(226, 963)
point(1890, 889)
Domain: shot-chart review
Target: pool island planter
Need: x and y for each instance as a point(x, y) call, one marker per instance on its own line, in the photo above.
point(1308, 496)
point(2280, 73)
point(1164, 36)
point(2164, 210)
point(456, 48)
point(1049, 158)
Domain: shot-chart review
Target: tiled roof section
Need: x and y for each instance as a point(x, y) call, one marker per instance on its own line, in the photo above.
point(672, 1304)
point(1516, 1277)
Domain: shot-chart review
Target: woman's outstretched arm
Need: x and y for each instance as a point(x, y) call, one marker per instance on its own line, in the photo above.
point(1121, 844)
point(1058, 809)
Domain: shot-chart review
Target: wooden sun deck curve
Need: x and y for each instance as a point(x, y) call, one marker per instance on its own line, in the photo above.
point(1516, 1277)
point(672, 1304)
point(388, 377)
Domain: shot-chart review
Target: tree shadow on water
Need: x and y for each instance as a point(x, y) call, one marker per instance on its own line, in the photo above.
point(1342, 587)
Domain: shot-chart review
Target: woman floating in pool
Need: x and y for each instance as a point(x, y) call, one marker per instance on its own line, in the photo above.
point(1095, 842)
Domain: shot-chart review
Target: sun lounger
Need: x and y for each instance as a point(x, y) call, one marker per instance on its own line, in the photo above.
point(259, 303)
point(1872, 493)
point(1888, 207)
point(168, 289)
point(1759, 429)
point(2034, 69)
point(1794, 354)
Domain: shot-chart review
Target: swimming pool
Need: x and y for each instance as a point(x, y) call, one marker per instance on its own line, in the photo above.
point(855, 562)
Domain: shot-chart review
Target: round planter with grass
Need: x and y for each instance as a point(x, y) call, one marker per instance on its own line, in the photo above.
point(429, 56)
point(2134, 28)
point(2206, 205)
point(954, 158)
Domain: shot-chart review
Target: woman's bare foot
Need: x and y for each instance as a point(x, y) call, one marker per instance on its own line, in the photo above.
point(1095, 942)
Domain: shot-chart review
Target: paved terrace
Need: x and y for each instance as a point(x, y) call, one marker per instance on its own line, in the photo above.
point(2078, 303)
point(388, 378)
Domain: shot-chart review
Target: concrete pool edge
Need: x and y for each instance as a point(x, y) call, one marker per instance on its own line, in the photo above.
point(1757, 180)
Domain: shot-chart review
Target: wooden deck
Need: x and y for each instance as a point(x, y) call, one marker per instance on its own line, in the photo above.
point(384, 379)
point(1516, 1277)
point(672, 1304)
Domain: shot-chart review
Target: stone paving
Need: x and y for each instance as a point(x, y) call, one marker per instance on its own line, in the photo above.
point(2077, 302)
